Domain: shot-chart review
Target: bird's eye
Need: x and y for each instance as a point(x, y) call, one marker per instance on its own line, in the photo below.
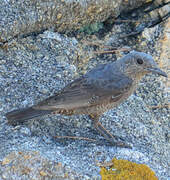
point(139, 61)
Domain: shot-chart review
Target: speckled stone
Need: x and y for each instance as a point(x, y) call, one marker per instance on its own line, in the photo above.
point(35, 67)
point(21, 18)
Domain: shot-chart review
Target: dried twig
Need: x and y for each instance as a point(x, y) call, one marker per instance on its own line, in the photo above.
point(74, 137)
point(130, 20)
point(111, 51)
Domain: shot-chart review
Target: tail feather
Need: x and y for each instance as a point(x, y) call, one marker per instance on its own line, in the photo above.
point(22, 115)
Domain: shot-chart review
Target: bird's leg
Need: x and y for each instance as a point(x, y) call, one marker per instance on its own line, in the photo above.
point(111, 138)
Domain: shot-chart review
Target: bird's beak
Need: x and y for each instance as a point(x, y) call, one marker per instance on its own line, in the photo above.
point(157, 71)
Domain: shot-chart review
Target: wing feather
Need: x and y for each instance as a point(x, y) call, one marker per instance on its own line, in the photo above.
point(87, 91)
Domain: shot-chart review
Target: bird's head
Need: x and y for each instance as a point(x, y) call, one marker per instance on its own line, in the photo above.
point(137, 64)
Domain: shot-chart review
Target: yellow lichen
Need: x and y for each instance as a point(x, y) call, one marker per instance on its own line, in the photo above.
point(126, 170)
point(42, 173)
point(5, 161)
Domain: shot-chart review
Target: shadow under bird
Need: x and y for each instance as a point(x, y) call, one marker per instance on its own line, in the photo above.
point(99, 90)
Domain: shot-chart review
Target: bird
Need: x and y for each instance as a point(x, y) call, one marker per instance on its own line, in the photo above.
point(104, 87)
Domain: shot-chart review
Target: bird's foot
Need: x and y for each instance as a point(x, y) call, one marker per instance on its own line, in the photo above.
point(114, 140)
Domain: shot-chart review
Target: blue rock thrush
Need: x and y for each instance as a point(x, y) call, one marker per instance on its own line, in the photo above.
point(99, 90)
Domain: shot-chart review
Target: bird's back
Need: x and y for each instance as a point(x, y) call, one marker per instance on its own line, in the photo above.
point(97, 91)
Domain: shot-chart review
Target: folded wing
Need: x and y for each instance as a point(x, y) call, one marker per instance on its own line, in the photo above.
point(87, 91)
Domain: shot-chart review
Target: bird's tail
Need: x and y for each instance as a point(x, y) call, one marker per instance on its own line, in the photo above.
point(22, 115)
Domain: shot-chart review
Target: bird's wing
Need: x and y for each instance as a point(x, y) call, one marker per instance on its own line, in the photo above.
point(85, 91)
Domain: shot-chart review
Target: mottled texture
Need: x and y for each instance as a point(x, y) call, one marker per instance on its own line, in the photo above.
point(32, 165)
point(20, 18)
point(143, 119)
point(126, 170)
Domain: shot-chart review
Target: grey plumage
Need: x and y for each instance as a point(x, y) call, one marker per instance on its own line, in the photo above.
point(22, 115)
point(103, 88)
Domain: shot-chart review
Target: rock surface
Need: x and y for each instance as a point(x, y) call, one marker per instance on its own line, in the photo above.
point(20, 18)
point(34, 67)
